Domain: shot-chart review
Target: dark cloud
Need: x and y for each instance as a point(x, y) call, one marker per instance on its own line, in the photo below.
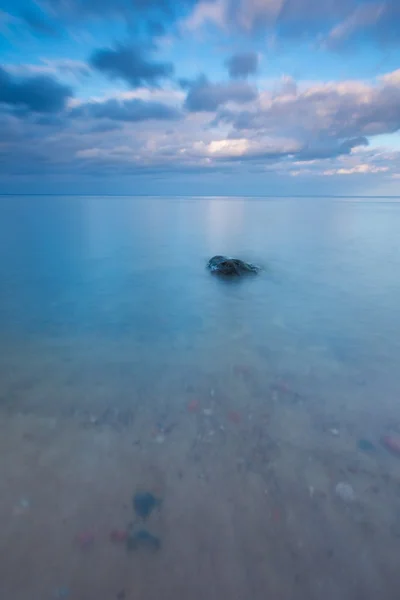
point(204, 96)
point(134, 110)
point(329, 149)
point(40, 93)
point(131, 64)
point(242, 65)
point(147, 17)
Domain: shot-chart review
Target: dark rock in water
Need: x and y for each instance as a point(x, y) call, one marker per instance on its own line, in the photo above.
point(144, 503)
point(141, 538)
point(224, 265)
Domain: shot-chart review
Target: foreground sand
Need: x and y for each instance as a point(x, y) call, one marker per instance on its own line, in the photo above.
point(249, 506)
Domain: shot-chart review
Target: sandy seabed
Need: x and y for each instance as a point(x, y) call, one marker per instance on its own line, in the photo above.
point(245, 461)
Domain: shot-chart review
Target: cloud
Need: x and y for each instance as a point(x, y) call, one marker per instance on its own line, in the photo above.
point(39, 93)
point(38, 22)
point(324, 114)
point(374, 21)
point(143, 17)
point(63, 67)
point(133, 110)
point(285, 17)
point(337, 22)
point(363, 169)
point(208, 97)
point(131, 64)
point(242, 65)
point(245, 149)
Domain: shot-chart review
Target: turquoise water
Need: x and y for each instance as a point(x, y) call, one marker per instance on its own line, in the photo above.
point(126, 277)
point(243, 404)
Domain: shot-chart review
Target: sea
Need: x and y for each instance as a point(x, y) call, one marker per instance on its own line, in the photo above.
point(258, 415)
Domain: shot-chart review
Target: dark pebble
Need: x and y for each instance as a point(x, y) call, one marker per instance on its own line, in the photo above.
point(142, 538)
point(144, 504)
point(366, 446)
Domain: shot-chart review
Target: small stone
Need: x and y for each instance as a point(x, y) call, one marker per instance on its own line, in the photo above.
point(118, 535)
point(159, 439)
point(142, 538)
point(85, 540)
point(334, 432)
point(144, 504)
point(392, 443)
point(345, 492)
point(22, 507)
point(207, 412)
point(234, 417)
point(366, 446)
point(61, 592)
point(193, 406)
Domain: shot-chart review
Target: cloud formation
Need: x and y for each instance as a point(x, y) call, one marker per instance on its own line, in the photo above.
point(38, 93)
point(242, 65)
point(205, 96)
point(133, 110)
point(243, 121)
point(324, 113)
point(143, 17)
point(132, 64)
point(337, 22)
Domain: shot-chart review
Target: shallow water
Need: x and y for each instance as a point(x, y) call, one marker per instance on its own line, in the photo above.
point(124, 364)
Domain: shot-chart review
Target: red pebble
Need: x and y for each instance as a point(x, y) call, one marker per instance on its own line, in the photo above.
point(85, 539)
point(392, 443)
point(117, 536)
point(193, 406)
point(283, 386)
point(234, 417)
point(276, 515)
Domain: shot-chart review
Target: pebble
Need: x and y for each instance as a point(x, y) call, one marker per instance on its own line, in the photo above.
point(345, 492)
point(159, 439)
point(193, 406)
point(22, 507)
point(234, 417)
point(208, 412)
point(365, 446)
point(142, 538)
point(144, 504)
point(118, 535)
point(61, 593)
point(334, 432)
point(85, 539)
point(392, 443)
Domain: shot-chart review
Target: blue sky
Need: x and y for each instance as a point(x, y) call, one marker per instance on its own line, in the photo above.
point(200, 97)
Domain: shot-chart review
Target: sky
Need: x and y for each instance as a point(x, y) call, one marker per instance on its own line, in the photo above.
point(200, 97)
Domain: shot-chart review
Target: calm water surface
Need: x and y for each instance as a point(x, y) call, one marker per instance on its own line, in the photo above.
point(111, 327)
point(126, 277)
